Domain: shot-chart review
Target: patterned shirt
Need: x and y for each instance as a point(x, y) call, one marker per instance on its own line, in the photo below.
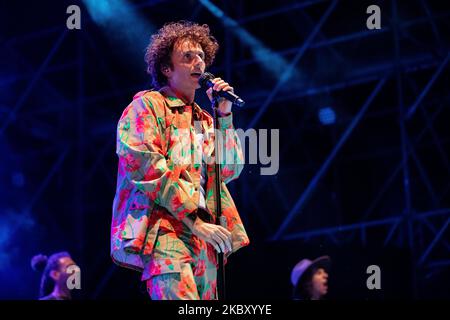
point(160, 174)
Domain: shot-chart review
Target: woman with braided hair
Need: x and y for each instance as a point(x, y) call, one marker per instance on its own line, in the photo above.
point(54, 275)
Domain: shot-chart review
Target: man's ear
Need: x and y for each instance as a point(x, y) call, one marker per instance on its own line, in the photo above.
point(54, 274)
point(165, 70)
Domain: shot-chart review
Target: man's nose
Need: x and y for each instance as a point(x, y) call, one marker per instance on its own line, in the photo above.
point(198, 60)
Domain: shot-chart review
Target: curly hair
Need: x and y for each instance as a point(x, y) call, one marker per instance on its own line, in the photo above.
point(159, 51)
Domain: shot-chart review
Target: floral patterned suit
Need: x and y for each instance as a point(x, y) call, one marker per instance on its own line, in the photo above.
point(158, 181)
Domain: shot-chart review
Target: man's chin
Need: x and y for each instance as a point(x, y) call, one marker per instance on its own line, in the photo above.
point(324, 289)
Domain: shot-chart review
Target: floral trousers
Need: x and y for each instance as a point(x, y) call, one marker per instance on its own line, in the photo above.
point(181, 266)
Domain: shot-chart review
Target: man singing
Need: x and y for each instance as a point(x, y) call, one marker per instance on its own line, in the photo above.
point(164, 219)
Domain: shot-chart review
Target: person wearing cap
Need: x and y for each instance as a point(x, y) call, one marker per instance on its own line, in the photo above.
point(310, 278)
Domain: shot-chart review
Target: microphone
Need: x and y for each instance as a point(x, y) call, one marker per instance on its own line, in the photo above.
point(205, 82)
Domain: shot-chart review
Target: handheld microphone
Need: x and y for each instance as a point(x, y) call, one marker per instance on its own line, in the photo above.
point(205, 82)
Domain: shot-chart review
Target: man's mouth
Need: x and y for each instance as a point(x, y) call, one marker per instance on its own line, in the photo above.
point(196, 74)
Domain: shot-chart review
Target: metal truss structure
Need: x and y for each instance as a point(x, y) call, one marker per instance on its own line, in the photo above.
point(67, 101)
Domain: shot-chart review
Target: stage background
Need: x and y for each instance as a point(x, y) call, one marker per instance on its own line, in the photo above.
point(364, 171)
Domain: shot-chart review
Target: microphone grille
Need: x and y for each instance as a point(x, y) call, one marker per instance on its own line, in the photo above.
point(204, 78)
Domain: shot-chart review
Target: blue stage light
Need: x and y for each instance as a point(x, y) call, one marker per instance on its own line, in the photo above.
point(272, 62)
point(122, 22)
point(327, 116)
point(18, 179)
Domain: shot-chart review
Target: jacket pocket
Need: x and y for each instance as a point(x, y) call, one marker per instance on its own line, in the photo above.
point(137, 224)
point(163, 266)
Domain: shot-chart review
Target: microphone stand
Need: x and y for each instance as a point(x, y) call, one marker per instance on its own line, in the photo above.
point(217, 194)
